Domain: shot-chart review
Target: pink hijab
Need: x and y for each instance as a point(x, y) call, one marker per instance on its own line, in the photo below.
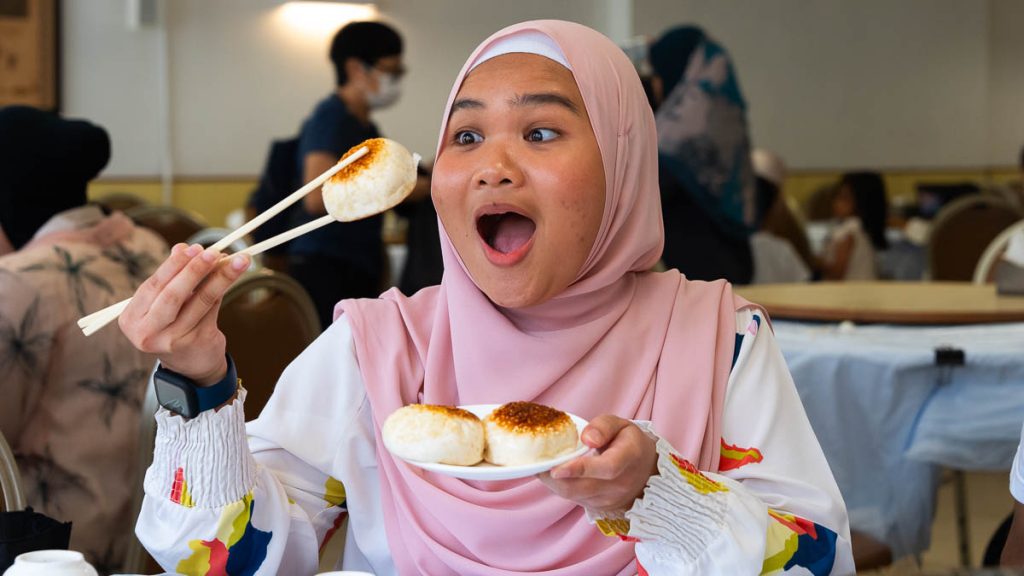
point(619, 340)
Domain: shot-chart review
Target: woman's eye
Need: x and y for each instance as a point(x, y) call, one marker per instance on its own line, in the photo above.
point(541, 135)
point(466, 137)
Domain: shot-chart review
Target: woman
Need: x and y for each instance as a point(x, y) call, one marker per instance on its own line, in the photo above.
point(71, 406)
point(707, 183)
point(545, 186)
point(773, 209)
point(861, 209)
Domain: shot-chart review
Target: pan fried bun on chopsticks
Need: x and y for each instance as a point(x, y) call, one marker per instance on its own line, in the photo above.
point(376, 182)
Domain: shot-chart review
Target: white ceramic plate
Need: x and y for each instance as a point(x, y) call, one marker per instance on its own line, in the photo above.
point(488, 471)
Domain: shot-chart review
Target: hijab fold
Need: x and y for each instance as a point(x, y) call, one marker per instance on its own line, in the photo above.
point(619, 340)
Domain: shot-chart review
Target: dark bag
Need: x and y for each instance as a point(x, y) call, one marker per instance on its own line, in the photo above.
point(280, 178)
point(28, 531)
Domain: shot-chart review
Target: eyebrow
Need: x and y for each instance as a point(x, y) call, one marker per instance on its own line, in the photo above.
point(543, 98)
point(533, 99)
point(466, 104)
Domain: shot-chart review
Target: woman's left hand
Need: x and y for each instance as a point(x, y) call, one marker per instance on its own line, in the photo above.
point(613, 478)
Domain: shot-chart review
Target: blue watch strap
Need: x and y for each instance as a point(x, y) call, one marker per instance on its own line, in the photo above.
point(210, 397)
point(198, 398)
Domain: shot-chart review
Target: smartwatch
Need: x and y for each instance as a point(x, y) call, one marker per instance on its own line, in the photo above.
point(183, 396)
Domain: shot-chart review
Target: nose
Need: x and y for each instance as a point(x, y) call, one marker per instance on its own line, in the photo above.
point(498, 168)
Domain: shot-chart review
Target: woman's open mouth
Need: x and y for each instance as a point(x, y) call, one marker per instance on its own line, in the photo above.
point(507, 236)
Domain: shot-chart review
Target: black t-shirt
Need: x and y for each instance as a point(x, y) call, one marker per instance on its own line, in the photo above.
point(332, 129)
point(694, 244)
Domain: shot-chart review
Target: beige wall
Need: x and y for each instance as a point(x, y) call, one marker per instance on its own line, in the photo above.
point(1006, 72)
point(239, 75)
point(871, 83)
point(833, 84)
point(214, 198)
point(441, 34)
point(109, 75)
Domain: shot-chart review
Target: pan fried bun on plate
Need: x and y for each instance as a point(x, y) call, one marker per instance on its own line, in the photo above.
point(525, 433)
point(428, 433)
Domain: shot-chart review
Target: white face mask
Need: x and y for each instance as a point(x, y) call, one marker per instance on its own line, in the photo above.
point(389, 88)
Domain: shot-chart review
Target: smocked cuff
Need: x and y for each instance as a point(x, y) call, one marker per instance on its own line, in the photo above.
point(204, 462)
point(681, 508)
point(614, 522)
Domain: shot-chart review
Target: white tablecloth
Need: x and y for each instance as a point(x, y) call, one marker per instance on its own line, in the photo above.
point(888, 416)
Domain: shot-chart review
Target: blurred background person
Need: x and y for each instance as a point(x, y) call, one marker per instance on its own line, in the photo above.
point(861, 210)
point(346, 260)
point(707, 183)
point(779, 248)
point(71, 405)
point(775, 260)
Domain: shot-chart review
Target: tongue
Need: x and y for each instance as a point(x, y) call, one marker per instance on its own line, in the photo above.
point(511, 232)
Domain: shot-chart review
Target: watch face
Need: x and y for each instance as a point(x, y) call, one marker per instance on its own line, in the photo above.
point(172, 397)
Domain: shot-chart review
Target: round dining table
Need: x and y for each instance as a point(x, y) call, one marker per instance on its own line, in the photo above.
point(915, 303)
point(900, 380)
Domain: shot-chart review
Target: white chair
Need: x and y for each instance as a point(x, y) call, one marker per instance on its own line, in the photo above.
point(995, 250)
point(12, 497)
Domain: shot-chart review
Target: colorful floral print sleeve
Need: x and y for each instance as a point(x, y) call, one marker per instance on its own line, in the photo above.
point(226, 497)
point(226, 522)
point(223, 499)
point(772, 507)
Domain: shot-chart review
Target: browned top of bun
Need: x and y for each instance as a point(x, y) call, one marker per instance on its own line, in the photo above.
point(449, 411)
point(529, 417)
point(373, 145)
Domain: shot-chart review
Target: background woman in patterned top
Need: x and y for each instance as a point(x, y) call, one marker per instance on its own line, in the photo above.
point(70, 407)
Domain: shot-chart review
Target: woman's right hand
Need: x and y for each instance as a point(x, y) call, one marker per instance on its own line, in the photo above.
point(174, 312)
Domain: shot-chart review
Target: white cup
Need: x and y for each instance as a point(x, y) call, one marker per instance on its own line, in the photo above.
point(51, 563)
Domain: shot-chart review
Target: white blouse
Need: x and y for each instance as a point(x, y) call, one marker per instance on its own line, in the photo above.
point(861, 265)
point(1017, 473)
point(263, 498)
